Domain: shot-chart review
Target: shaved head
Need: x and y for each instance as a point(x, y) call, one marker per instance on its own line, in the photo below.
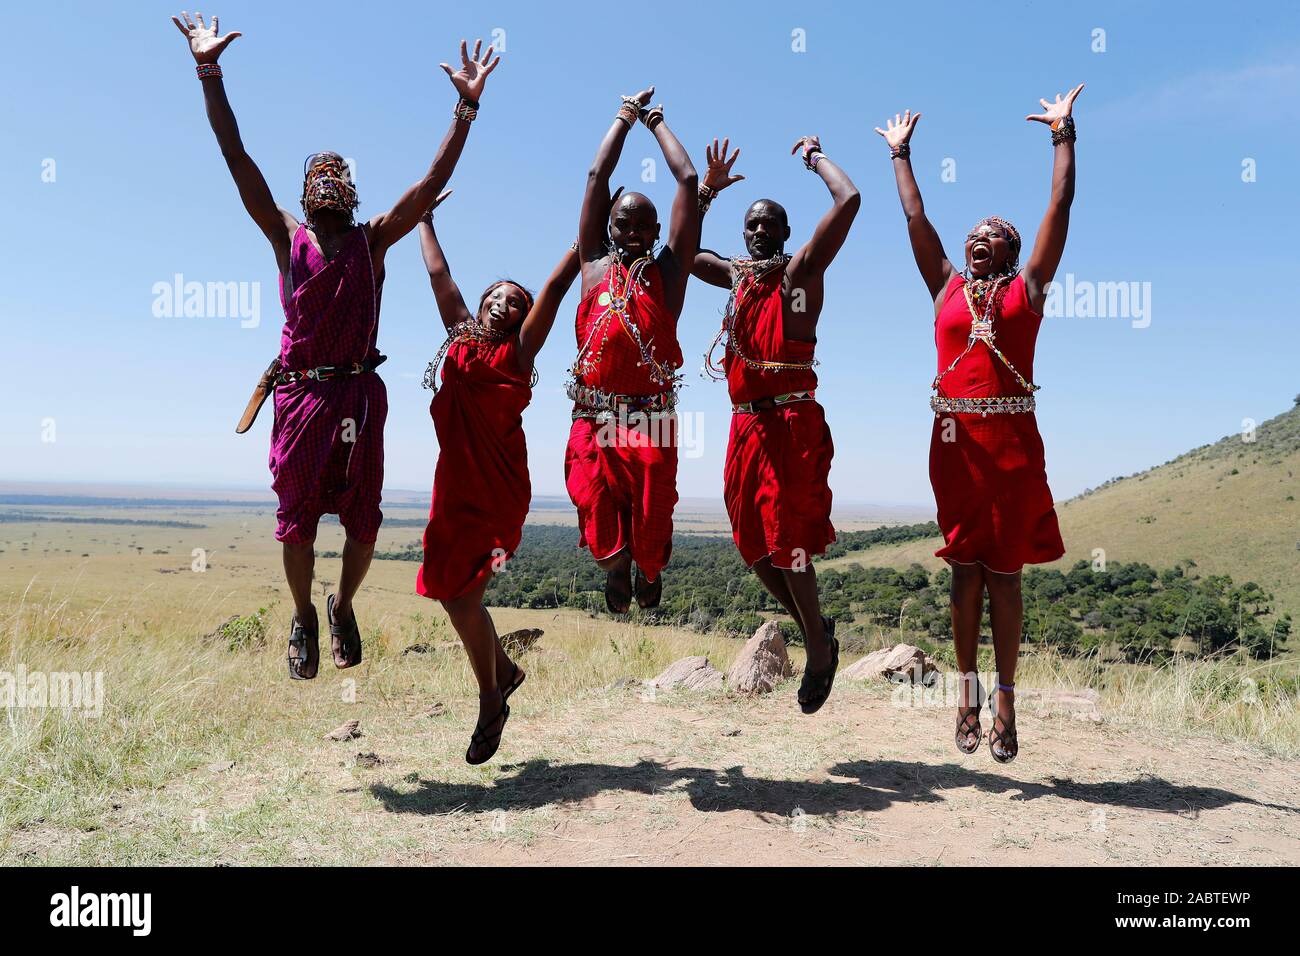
point(634, 224)
point(632, 201)
point(773, 205)
point(766, 229)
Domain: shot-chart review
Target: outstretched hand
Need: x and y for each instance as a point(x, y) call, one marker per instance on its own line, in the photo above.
point(808, 144)
point(473, 72)
point(205, 44)
point(899, 129)
point(718, 176)
point(428, 213)
point(1053, 113)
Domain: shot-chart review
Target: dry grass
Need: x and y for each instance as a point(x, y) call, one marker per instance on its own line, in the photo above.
point(138, 784)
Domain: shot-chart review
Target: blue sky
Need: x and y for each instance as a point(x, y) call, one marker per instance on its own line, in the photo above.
point(1182, 95)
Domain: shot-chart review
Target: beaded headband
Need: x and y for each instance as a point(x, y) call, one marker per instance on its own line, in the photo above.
point(528, 296)
point(1013, 237)
point(327, 184)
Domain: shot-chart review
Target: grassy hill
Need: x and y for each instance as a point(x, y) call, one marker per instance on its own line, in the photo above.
point(1229, 506)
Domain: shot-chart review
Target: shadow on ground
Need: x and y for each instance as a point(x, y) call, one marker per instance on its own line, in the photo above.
point(870, 786)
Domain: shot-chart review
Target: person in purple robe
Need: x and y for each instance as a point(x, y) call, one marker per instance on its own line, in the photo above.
point(327, 442)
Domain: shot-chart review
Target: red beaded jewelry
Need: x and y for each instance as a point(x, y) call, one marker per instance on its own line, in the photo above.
point(206, 70)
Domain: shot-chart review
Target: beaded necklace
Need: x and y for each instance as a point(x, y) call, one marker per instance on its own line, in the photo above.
point(989, 294)
point(745, 273)
point(624, 283)
point(470, 332)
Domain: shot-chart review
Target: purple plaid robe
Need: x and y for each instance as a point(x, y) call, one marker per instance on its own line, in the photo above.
point(327, 443)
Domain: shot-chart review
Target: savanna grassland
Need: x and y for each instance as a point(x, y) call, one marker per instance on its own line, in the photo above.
point(206, 753)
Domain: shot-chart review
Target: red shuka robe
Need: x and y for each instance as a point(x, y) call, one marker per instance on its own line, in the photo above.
point(778, 459)
point(989, 476)
point(623, 480)
point(481, 488)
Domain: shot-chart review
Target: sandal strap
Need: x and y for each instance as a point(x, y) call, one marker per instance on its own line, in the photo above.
point(968, 720)
point(480, 735)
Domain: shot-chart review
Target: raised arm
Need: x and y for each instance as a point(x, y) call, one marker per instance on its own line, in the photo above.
point(207, 46)
point(1049, 245)
point(684, 226)
point(387, 228)
point(451, 304)
point(537, 323)
point(709, 266)
point(593, 221)
point(933, 264)
point(817, 255)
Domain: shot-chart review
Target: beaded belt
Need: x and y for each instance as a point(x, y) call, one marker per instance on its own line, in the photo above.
point(763, 404)
point(323, 373)
point(605, 406)
point(990, 405)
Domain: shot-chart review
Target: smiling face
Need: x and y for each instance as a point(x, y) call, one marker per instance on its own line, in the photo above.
point(766, 229)
point(989, 251)
point(634, 224)
point(503, 306)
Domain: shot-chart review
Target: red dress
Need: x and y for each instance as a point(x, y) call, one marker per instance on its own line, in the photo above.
point(988, 471)
point(623, 480)
point(779, 458)
point(481, 488)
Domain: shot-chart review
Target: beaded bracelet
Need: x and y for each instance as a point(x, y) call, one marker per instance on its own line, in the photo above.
point(706, 196)
point(466, 109)
point(815, 157)
point(630, 111)
point(1065, 132)
point(206, 70)
point(652, 118)
point(901, 151)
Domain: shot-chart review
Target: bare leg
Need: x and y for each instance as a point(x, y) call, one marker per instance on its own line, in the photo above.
point(1007, 614)
point(299, 565)
point(774, 581)
point(478, 634)
point(356, 562)
point(967, 606)
point(803, 591)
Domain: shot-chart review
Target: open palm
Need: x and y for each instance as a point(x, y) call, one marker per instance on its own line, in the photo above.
point(718, 176)
point(473, 72)
point(205, 42)
point(1055, 112)
point(899, 129)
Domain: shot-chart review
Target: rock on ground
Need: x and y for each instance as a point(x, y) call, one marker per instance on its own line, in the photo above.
point(902, 662)
point(693, 673)
point(762, 663)
point(349, 730)
point(518, 642)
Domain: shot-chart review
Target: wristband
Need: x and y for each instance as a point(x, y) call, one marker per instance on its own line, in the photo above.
point(630, 111)
point(205, 70)
point(901, 151)
point(1064, 133)
point(652, 118)
point(706, 197)
point(466, 109)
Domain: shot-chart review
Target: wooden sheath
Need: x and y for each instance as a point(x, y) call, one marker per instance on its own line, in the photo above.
point(265, 386)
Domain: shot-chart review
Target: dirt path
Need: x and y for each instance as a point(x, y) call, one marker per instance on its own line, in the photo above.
point(613, 778)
